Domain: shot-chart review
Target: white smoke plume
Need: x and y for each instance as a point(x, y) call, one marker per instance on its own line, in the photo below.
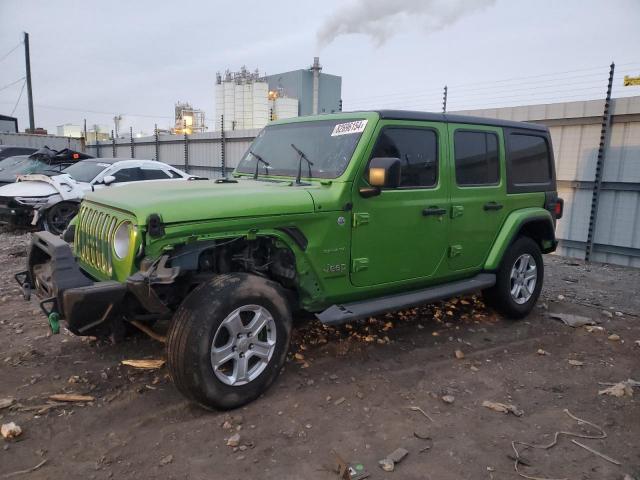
point(381, 19)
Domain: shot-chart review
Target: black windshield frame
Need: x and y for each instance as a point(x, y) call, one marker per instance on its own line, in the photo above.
point(330, 154)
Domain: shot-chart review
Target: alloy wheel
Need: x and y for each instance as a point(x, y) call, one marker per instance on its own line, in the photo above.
point(524, 276)
point(243, 345)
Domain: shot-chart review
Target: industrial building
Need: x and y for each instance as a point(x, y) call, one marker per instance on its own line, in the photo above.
point(70, 130)
point(317, 92)
point(247, 100)
point(242, 99)
point(188, 119)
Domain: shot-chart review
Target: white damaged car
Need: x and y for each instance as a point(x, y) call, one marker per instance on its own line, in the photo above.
point(51, 202)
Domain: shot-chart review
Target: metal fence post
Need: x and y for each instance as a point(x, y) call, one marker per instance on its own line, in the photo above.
point(444, 100)
point(157, 143)
point(223, 148)
point(602, 148)
point(97, 146)
point(113, 144)
point(186, 153)
point(133, 151)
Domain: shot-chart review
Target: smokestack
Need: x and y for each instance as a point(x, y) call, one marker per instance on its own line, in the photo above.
point(315, 68)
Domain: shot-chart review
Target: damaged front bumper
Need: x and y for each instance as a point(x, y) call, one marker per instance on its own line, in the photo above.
point(66, 290)
point(16, 215)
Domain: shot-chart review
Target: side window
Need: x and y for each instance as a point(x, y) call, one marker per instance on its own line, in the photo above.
point(529, 159)
point(476, 157)
point(417, 149)
point(133, 174)
point(154, 174)
point(173, 174)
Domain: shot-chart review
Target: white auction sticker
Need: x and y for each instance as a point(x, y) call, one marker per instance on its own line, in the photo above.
point(349, 128)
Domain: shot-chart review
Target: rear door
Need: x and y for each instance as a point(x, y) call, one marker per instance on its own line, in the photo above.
point(478, 193)
point(401, 234)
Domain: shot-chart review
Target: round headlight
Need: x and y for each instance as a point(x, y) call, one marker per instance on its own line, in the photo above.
point(122, 240)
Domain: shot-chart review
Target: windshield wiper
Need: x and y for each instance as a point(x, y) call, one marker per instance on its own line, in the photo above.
point(301, 156)
point(259, 160)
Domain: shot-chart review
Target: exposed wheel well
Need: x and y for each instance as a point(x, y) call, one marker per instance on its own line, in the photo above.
point(541, 231)
point(264, 256)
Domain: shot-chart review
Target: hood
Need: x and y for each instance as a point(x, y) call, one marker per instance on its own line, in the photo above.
point(28, 189)
point(185, 201)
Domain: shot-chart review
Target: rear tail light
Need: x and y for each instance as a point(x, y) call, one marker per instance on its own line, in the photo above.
point(558, 208)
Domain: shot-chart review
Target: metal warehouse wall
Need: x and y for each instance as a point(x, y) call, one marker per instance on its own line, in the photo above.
point(37, 141)
point(575, 132)
point(198, 154)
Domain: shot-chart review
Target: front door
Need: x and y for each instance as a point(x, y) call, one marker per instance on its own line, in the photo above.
point(477, 193)
point(401, 234)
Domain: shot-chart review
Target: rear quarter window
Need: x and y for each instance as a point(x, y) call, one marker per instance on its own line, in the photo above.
point(529, 162)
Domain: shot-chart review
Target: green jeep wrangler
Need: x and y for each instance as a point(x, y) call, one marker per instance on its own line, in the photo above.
point(345, 216)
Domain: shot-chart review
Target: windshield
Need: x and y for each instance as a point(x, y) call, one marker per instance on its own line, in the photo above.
point(328, 144)
point(14, 166)
point(86, 170)
point(10, 162)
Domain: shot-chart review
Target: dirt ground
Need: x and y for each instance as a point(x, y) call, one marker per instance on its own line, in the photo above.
point(346, 390)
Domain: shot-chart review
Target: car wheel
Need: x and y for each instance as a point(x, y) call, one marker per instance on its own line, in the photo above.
point(228, 340)
point(57, 218)
point(518, 280)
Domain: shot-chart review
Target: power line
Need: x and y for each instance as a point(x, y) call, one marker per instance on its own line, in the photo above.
point(491, 84)
point(529, 91)
point(535, 89)
point(19, 97)
point(96, 112)
point(11, 84)
point(10, 51)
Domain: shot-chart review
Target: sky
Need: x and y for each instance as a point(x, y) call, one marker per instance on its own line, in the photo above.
point(93, 60)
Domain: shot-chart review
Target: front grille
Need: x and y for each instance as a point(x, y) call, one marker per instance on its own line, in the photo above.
point(94, 232)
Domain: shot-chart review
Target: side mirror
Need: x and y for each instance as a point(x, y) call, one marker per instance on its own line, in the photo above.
point(108, 180)
point(384, 172)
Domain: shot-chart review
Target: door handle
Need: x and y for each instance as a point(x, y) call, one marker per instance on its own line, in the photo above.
point(492, 206)
point(434, 211)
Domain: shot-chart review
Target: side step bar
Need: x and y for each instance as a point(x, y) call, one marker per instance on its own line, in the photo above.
point(337, 314)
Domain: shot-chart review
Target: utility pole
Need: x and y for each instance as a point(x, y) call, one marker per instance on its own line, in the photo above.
point(27, 60)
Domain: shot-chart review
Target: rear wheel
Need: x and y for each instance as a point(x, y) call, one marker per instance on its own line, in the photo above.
point(57, 218)
point(518, 280)
point(228, 340)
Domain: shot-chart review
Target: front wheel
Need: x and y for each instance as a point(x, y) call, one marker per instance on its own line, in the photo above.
point(57, 218)
point(228, 340)
point(518, 280)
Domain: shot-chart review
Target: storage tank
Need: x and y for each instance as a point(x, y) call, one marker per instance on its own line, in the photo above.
point(239, 107)
point(219, 95)
point(248, 100)
point(229, 105)
point(260, 104)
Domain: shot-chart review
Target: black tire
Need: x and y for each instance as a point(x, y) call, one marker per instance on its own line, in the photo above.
point(194, 326)
point(57, 218)
point(500, 295)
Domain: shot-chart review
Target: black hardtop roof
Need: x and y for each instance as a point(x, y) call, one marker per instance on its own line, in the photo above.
point(453, 118)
